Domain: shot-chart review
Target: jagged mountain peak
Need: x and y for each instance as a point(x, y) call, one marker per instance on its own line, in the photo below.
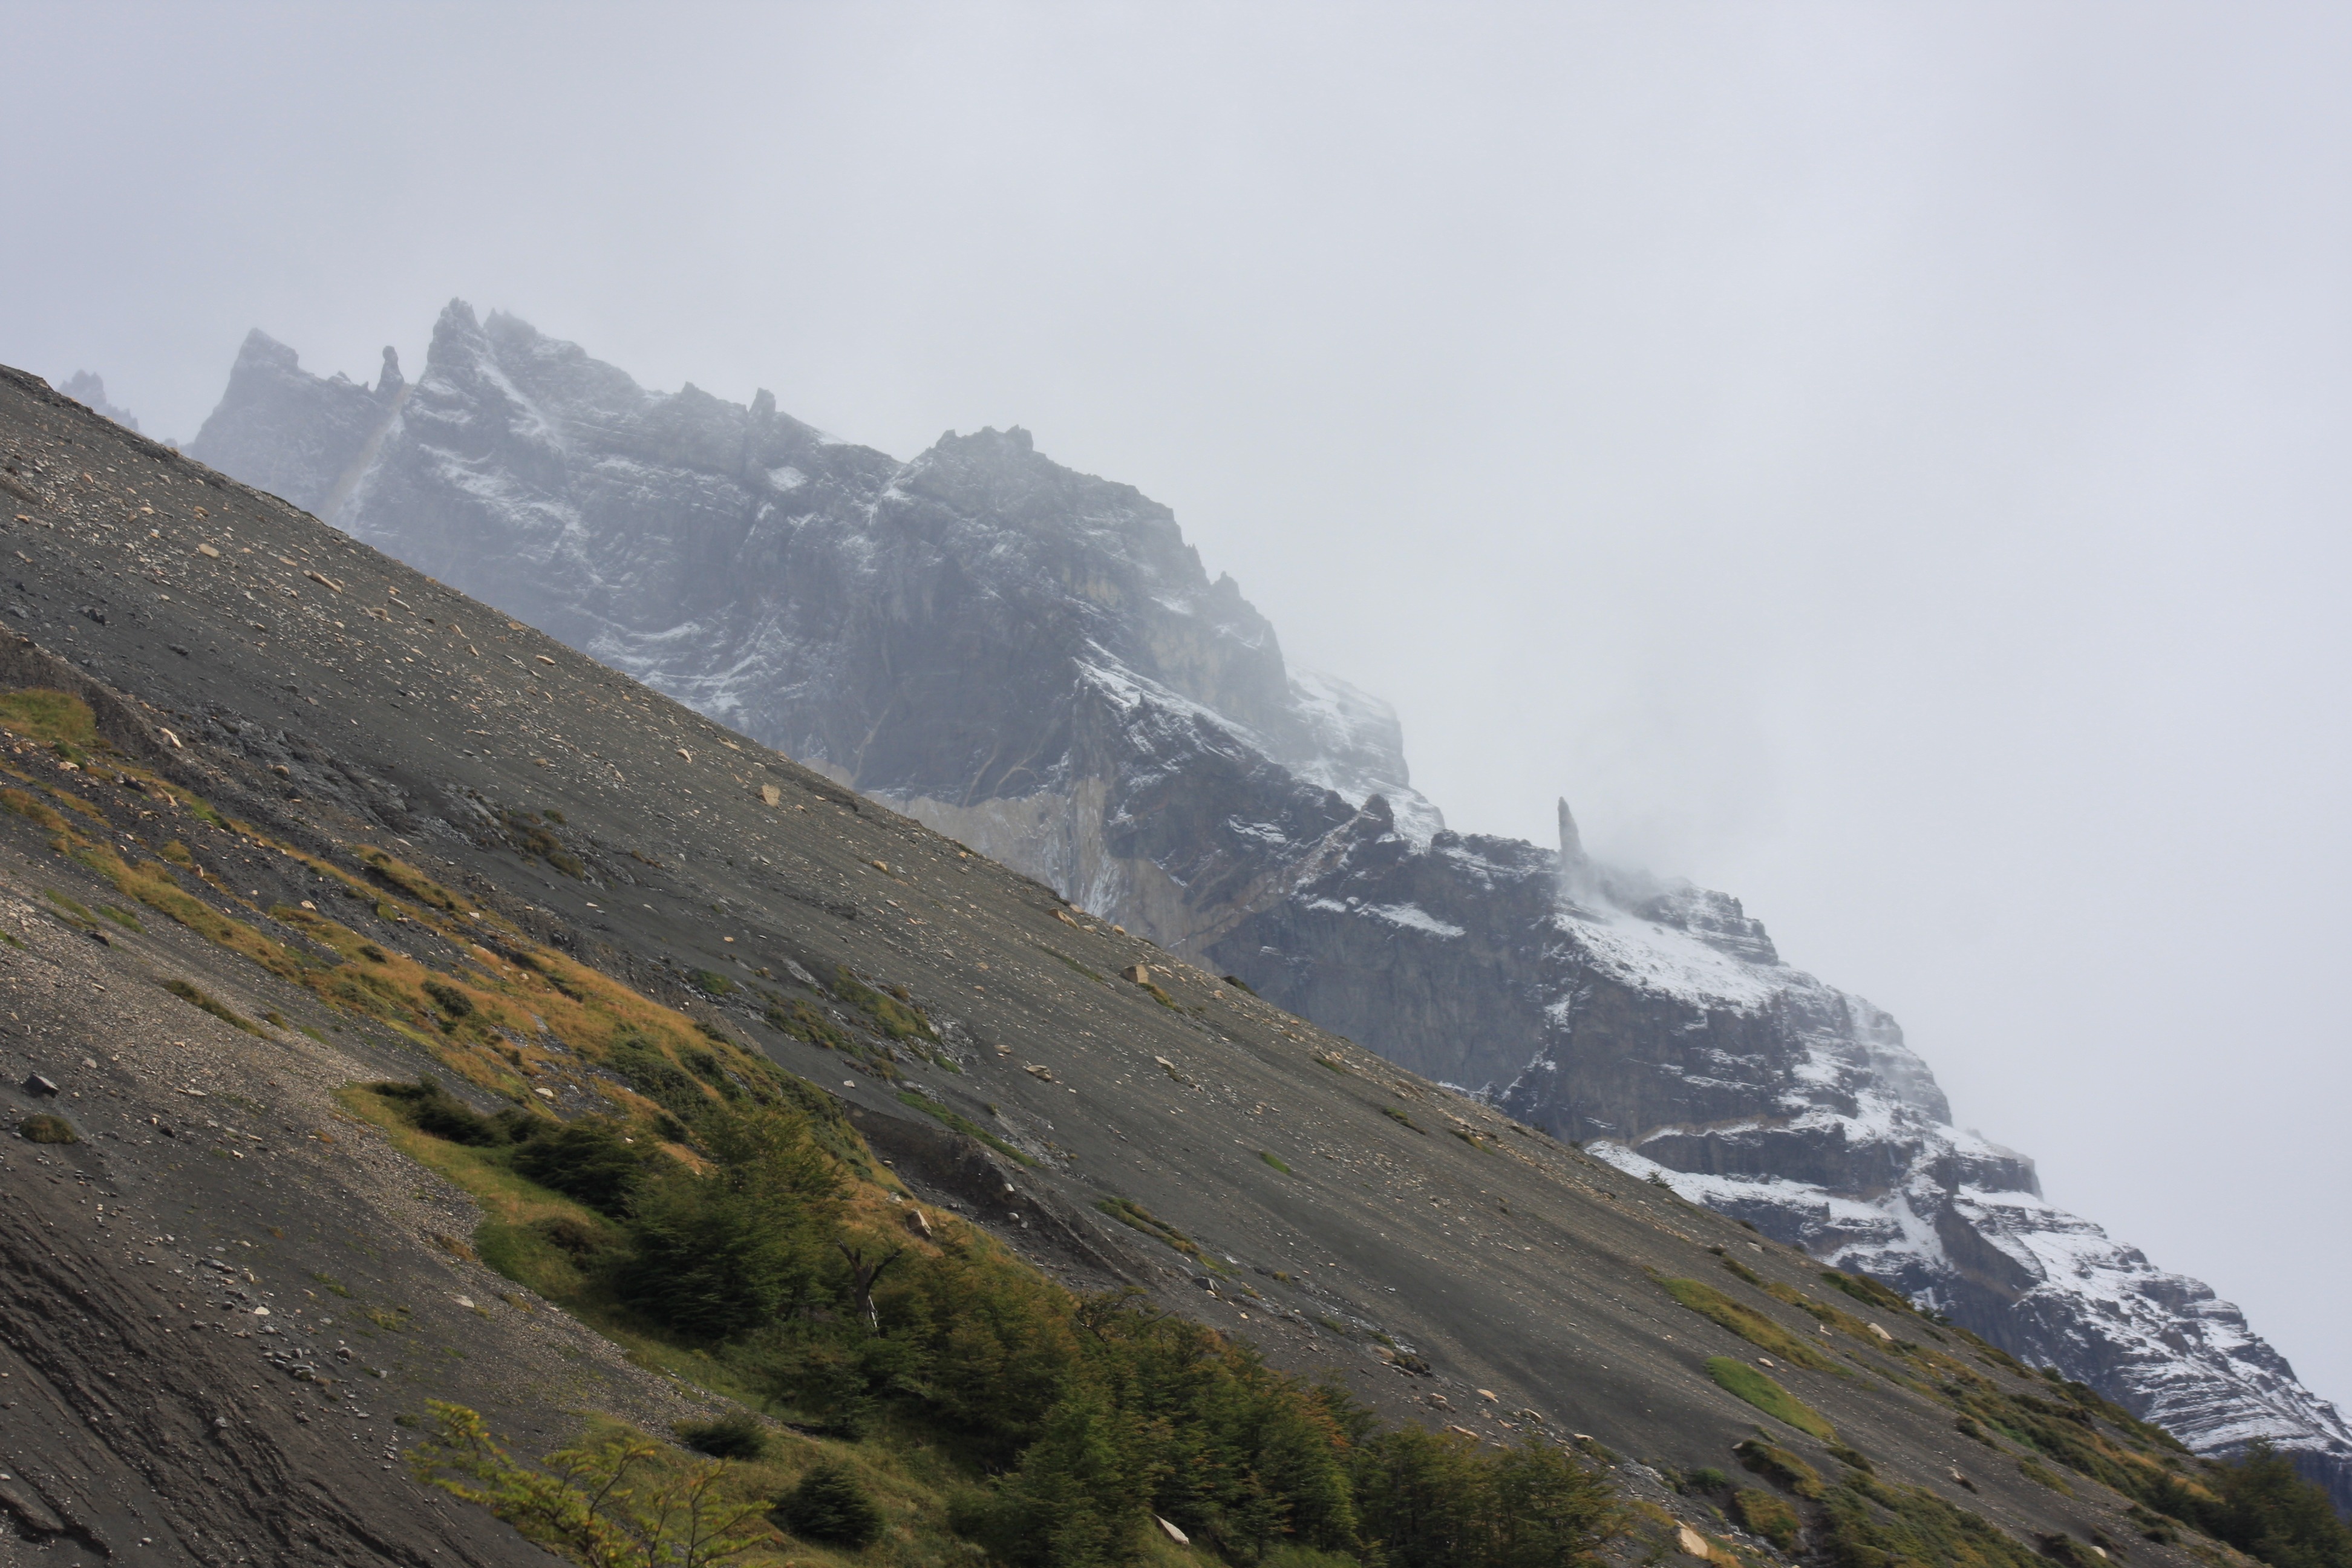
point(1035, 661)
point(88, 389)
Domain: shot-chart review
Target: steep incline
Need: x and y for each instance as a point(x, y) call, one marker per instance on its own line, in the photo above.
point(315, 771)
point(1032, 661)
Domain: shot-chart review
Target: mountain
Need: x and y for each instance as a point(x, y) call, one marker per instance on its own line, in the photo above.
point(86, 387)
point(1032, 661)
point(337, 905)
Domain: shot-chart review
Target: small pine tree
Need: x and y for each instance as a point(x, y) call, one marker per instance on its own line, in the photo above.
point(830, 1507)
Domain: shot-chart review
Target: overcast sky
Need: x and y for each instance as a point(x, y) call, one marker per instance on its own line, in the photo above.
point(1887, 461)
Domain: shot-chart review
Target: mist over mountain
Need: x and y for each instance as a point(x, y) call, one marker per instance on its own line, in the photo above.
point(1032, 661)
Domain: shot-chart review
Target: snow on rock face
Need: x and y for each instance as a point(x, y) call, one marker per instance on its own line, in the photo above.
point(1033, 660)
point(1028, 657)
point(1657, 1026)
point(1353, 745)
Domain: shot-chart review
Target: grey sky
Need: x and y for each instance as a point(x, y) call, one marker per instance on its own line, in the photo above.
point(1888, 461)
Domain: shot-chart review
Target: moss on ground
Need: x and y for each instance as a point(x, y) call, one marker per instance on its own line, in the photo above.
point(1748, 1323)
point(1737, 1377)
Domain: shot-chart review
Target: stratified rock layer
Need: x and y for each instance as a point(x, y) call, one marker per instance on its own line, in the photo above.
point(1033, 661)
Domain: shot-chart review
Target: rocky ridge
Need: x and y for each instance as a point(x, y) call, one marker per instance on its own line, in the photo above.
point(1032, 661)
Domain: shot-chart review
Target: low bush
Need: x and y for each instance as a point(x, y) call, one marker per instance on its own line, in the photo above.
point(1083, 1417)
point(590, 1161)
point(46, 1128)
point(735, 1435)
point(433, 1110)
point(830, 1507)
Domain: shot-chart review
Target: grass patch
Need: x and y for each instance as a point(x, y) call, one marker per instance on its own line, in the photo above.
point(1869, 1520)
point(25, 806)
point(1777, 1465)
point(1073, 963)
point(51, 718)
point(196, 996)
point(1737, 1377)
point(893, 1011)
point(1862, 1287)
point(72, 910)
point(1401, 1118)
point(1135, 1216)
point(1767, 1516)
point(1749, 1324)
point(2042, 1475)
point(963, 1124)
point(808, 1024)
point(1277, 1161)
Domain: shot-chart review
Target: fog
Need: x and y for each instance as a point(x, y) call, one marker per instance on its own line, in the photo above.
point(1888, 462)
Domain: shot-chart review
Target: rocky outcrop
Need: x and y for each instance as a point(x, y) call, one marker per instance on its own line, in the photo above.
point(1035, 661)
point(290, 433)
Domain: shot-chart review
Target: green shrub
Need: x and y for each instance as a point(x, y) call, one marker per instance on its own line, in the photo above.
point(590, 1161)
point(46, 1128)
point(657, 1078)
point(434, 1111)
point(737, 1435)
point(449, 999)
point(713, 1256)
point(829, 1507)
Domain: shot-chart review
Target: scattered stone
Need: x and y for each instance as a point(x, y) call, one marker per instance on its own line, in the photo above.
point(1174, 1534)
point(35, 1084)
point(1138, 972)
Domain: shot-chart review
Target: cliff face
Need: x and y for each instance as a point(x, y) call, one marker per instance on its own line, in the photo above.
point(1657, 1027)
point(1033, 661)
